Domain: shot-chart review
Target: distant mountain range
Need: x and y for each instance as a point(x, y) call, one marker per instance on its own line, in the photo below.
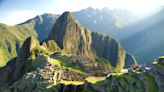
point(42, 24)
point(141, 37)
point(136, 34)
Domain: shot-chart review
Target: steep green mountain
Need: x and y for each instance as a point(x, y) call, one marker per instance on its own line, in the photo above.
point(132, 39)
point(74, 39)
point(70, 35)
point(126, 27)
point(12, 38)
point(111, 50)
point(42, 25)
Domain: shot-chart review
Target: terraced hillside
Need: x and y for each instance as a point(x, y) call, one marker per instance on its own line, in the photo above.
point(42, 80)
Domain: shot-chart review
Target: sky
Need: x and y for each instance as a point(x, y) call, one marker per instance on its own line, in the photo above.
point(17, 11)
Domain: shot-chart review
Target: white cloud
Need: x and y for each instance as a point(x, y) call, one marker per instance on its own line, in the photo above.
point(80, 4)
point(137, 6)
point(59, 6)
point(16, 17)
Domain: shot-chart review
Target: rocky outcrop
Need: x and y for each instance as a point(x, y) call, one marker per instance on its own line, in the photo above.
point(26, 49)
point(70, 35)
point(109, 49)
point(51, 46)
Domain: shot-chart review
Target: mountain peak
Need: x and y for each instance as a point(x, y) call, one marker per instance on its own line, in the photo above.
point(70, 35)
point(66, 16)
point(26, 48)
point(68, 13)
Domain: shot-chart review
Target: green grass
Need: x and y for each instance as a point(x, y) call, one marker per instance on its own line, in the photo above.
point(66, 83)
point(64, 64)
point(151, 85)
point(133, 79)
point(158, 65)
point(71, 82)
point(125, 82)
point(95, 80)
point(12, 37)
point(50, 86)
point(103, 61)
point(55, 61)
point(76, 70)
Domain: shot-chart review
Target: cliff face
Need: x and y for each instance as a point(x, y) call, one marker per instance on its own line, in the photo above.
point(70, 35)
point(109, 49)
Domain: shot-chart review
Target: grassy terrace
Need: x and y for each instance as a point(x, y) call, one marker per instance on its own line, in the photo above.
point(134, 79)
point(90, 79)
point(125, 82)
point(95, 80)
point(72, 82)
point(151, 85)
point(67, 83)
point(158, 65)
point(63, 64)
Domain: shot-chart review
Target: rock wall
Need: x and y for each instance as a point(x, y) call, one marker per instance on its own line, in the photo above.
point(109, 49)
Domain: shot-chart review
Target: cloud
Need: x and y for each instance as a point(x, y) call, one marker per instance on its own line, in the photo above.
point(59, 6)
point(16, 17)
point(137, 6)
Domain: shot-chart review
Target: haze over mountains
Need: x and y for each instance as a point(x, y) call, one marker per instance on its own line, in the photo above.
point(141, 37)
point(135, 33)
